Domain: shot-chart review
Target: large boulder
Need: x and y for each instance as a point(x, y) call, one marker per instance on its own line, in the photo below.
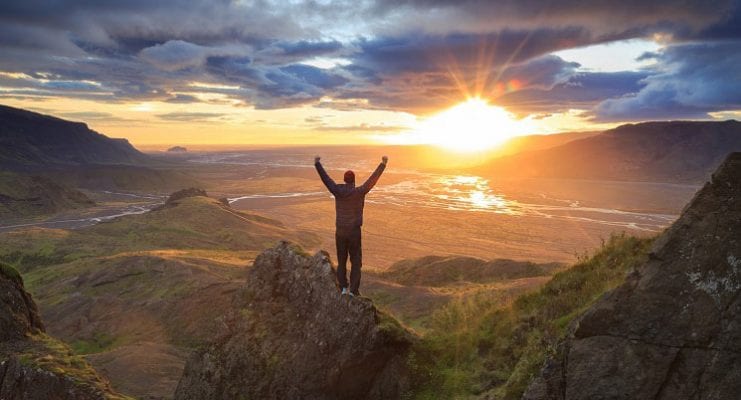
point(291, 335)
point(34, 366)
point(673, 329)
point(19, 316)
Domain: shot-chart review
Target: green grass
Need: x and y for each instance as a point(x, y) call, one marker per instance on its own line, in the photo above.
point(476, 345)
point(48, 354)
point(10, 272)
point(99, 343)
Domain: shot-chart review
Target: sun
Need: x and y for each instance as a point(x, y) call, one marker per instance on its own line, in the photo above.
point(474, 125)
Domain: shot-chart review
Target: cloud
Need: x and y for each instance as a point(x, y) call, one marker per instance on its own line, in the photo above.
point(691, 80)
point(190, 116)
point(415, 55)
point(582, 90)
point(360, 128)
point(177, 54)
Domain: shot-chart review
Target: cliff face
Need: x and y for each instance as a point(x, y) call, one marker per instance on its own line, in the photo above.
point(33, 365)
point(291, 335)
point(31, 139)
point(673, 329)
point(19, 315)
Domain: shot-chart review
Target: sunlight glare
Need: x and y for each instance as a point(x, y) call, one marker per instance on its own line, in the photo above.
point(473, 125)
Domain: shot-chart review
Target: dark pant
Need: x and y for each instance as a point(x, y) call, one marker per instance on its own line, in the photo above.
point(348, 243)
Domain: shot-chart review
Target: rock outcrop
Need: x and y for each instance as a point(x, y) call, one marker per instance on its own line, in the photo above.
point(19, 315)
point(673, 329)
point(291, 335)
point(32, 365)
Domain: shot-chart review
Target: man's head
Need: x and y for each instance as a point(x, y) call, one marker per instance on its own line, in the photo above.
point(349, 177)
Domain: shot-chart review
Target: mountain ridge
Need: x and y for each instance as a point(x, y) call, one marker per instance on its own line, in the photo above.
point(661, 151)
point(29, 139)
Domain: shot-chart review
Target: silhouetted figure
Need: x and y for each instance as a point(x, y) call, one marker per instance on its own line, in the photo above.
point(349, 202)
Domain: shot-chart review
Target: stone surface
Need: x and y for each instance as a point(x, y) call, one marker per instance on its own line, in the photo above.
point(673, 329)
point(19, 315)
point(24, 347)
point(291, 335)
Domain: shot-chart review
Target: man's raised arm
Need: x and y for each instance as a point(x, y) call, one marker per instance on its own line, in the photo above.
point(373, 179)
point(328, 182)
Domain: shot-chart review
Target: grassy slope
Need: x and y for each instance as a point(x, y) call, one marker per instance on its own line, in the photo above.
point(476, 346)
point(28, 196)
point(41, 351)
point(196, 223)
point(142, 287)
point(437, 271)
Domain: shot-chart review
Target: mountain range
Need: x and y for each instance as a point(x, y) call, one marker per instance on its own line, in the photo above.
point(674, 151)
point(29, 139)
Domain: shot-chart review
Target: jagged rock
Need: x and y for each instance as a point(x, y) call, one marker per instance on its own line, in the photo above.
point(30, 361)
point(292, 336)
point(673, 329)
point(19, 316)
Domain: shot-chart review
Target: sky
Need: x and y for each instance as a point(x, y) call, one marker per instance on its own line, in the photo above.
point(367, 71)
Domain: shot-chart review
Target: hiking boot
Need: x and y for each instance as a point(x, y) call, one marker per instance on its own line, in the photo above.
point(355, 293)
point(345, 291)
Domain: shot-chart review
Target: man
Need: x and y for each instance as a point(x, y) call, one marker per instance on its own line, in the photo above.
point(349, 202)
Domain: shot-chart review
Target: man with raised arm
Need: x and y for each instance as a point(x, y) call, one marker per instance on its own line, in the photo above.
point(349, 202)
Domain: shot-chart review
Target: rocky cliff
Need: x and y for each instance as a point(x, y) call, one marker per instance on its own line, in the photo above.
point(32, 364)
point(673, 329)
point(291, 335)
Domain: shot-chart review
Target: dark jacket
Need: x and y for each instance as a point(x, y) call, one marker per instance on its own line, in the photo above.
point(349, 199)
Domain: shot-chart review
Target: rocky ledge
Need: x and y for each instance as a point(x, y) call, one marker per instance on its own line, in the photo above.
point(291, 335)
point(673, 329)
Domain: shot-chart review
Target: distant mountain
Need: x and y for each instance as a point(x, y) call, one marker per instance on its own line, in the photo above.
point(29, 139)
point(676, 151)
point(519, 144)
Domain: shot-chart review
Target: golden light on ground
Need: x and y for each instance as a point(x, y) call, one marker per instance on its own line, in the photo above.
point(473, 125)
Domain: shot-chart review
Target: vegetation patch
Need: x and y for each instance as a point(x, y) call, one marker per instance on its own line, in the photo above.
point(478, 346)
point(10, 272)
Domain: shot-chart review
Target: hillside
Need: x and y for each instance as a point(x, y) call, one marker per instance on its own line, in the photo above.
point(32, 139)
point(136, 293)
point(671, 330)
point(28, 196)
point(437, 271)
point(34, 365)
point(678, 151)
point(519, 144)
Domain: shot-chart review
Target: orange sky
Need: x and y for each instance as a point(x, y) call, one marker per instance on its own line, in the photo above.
point(160, 124)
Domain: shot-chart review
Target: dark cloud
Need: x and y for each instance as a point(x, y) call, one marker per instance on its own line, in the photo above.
point(691, 80)
point(416, 55)
point(183, 99)
point(305, 48)
point(581, 90)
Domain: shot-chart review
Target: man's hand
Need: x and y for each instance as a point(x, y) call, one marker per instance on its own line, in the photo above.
point(384, 159)
point(316, 159)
